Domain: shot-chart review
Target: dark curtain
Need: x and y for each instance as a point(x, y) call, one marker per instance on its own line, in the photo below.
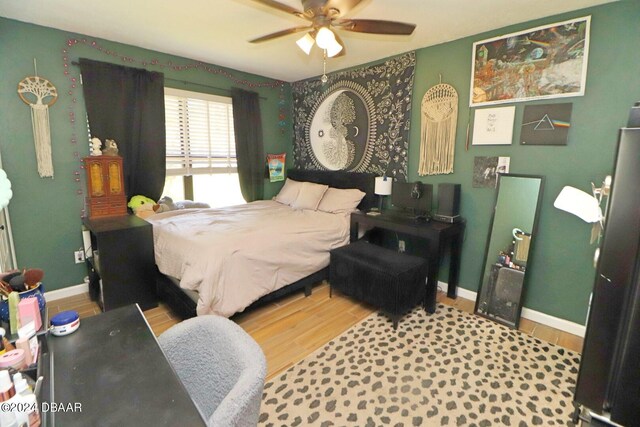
point(127, 105)
point(247, 125)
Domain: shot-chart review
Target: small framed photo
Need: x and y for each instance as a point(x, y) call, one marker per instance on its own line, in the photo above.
point(275, 163)
point(493, 126)
point(487, 169)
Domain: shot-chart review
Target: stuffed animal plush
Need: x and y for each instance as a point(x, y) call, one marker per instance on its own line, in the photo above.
point(111, 148)
point(167, 204)
point(142, 206)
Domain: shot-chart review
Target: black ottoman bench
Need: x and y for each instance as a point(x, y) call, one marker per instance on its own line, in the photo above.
point(391, 281)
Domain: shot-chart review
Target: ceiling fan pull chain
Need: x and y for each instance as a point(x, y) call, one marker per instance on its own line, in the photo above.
point(324, 77)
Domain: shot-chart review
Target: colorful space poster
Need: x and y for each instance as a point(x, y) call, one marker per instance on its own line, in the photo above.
point(543, 62)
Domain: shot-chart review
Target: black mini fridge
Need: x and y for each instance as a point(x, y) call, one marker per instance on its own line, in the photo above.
point(609, 377)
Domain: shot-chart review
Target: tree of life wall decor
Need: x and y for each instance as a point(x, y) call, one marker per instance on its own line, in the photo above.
point(357, 121)
point(544, 62)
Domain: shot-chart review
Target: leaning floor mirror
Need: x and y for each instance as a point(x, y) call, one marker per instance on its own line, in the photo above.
point(507, 257)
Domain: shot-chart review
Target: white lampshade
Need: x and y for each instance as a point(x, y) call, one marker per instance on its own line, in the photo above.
point(334, 48)
point(325, 37)
point(306, 43)
point(383, 185)
point(579, 203)
point(5, 190)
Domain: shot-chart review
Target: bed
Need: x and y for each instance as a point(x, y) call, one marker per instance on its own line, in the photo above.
point(237, 263)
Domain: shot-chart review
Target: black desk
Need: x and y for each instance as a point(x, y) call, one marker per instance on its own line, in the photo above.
point(439, 237)
point(115, 368)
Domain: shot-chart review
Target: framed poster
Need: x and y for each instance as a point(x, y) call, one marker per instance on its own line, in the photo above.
point(546, 124)
point(276, 163)
point(493, 126)
point(544, 62)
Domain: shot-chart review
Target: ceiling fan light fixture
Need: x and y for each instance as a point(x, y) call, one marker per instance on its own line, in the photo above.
point(333, 49)
point(325, 37)
point(305, 43)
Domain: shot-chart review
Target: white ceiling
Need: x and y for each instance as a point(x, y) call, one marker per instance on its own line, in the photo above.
point(217, 31)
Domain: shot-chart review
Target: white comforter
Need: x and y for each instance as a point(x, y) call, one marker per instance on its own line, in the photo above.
point(233, 256)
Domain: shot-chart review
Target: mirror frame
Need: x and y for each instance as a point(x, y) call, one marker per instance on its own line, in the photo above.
point(534, 233)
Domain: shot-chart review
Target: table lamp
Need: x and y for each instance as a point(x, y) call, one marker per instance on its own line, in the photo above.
point(382, 188)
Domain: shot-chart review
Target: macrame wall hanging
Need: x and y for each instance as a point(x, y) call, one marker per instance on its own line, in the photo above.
point(438, 130)
point(39, 93)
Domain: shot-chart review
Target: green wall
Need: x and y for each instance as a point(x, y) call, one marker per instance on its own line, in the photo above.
point(560, 281)
point(45, 213)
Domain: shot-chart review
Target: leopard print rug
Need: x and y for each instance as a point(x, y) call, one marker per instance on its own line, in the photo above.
point(448, 369)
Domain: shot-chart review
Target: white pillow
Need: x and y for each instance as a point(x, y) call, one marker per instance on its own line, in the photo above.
point(309, 196)
point(337, 200)
point(289, 192)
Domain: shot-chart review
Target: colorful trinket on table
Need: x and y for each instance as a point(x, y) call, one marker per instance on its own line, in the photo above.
point(16, 286)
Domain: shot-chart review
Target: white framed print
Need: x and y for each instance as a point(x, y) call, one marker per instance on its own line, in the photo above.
point(549, 61)
point(493, 126)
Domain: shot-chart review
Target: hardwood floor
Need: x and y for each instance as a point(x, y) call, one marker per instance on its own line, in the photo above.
point(292, 328)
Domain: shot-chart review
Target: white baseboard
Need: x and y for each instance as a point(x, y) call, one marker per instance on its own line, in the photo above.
point(66, 292)
point(527, 313)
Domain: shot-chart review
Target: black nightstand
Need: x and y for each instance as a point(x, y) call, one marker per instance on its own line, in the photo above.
point(122, 268)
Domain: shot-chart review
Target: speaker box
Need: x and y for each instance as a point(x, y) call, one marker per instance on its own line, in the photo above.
point(448, 200)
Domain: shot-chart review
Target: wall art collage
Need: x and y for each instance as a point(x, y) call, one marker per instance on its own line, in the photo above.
point(536, 64)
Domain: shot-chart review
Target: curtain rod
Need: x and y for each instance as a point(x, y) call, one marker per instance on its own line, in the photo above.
point(189, 83)
point(204, 85)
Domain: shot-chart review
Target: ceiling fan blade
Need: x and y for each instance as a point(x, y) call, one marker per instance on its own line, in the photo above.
point(282, 7)
point(375, 26)
point(280, 34)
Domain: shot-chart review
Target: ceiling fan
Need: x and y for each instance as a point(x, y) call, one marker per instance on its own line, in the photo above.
point(326, 17)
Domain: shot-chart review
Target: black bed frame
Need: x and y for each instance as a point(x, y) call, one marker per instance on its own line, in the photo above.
point(185, 307)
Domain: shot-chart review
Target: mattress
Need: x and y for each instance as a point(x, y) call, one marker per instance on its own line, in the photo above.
point(233, 256)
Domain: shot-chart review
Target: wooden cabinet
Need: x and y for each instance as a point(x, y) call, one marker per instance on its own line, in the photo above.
point(122, 267)
point(105, 186)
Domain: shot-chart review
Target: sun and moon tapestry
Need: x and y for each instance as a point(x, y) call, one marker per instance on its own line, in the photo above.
point(357, 121)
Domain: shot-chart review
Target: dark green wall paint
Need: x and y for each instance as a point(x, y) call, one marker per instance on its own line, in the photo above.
point(45, 213)
point(560, 281)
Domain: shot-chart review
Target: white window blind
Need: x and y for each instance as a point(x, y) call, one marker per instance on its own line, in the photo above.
point(200, 137)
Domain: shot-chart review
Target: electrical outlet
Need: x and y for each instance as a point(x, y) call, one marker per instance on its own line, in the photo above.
point(401, 246)
point(78, 256)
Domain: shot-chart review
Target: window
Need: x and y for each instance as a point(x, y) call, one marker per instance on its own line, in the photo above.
point(201, 153)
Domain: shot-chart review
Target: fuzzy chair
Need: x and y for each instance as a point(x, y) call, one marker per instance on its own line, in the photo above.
point(221, 366)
